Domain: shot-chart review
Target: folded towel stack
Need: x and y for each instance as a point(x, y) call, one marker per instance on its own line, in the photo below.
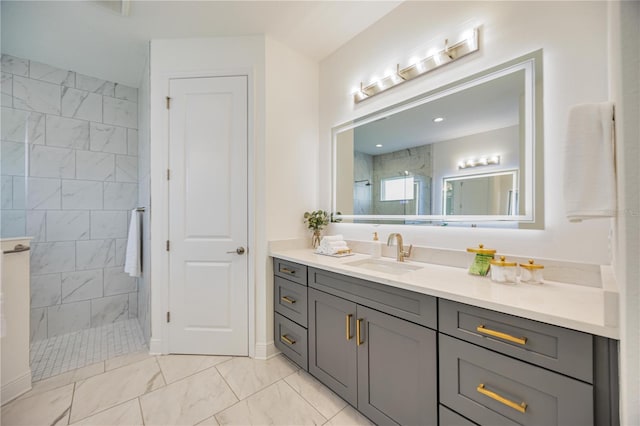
point(332, 245)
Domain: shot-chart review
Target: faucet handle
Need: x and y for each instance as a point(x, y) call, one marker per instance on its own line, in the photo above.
point(407, 253)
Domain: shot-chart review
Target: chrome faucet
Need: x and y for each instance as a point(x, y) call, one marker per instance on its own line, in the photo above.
point(401, 254)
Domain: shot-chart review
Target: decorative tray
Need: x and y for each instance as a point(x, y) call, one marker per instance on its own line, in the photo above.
point(337, 254)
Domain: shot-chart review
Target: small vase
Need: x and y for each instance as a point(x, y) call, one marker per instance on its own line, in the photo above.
point(315, 239)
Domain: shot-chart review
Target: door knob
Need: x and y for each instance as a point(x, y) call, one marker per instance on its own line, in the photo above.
point(239, 250)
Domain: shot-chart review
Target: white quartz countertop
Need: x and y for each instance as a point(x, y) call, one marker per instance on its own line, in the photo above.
point(572, 306)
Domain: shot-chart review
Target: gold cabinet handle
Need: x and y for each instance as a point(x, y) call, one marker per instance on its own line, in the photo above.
point(358, 331)
point(287, 271)
point(348, 326)
point(287, 340)
point(522, 407)
point(504, 336)
point(288, 300)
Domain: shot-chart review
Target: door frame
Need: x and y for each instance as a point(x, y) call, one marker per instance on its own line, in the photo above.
point(159, 343)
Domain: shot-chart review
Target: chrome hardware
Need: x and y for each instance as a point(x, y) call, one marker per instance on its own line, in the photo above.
point(18, 249)
point(239, 250)
point(522, 407)
point(401, 254)
point(504, 336)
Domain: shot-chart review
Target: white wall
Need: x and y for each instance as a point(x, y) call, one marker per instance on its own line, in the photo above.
point(291, 167)
point(624, 62)
point(574, 38)
point(283, 129)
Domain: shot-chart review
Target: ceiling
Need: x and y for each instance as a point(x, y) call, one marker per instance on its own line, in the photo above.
point(91, 38)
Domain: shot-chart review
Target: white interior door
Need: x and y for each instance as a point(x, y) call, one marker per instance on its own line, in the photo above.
point(208, 285)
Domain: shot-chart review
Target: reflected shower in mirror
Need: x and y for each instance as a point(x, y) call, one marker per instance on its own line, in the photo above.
point(461, 153)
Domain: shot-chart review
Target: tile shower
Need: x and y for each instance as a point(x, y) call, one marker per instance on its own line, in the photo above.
point(69, 149)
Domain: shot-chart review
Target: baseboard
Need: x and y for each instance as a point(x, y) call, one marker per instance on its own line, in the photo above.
point(266, 350)
point(15, 388)
point(155, 347)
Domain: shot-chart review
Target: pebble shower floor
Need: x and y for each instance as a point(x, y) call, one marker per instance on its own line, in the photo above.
point(56, 355)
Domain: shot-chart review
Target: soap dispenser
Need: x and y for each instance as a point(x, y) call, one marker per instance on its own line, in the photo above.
point(376, 246)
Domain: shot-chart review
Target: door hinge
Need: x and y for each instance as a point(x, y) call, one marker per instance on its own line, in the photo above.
point(168, 245)
point(168, 174)
point(168, 102)
point(168, 316)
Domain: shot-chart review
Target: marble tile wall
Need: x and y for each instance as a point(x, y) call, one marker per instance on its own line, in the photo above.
point(418, 162)
point(69, 175)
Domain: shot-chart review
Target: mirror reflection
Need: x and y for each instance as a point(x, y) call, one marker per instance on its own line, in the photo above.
point(482, 194)
point(462, 153)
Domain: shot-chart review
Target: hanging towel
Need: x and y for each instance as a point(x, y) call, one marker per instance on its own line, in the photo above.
point(133, 263)
point(590, 177)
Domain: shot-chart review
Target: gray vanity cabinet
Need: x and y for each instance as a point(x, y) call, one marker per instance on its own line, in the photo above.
point(332, 351)
point(383, 365)
point(397, 370)
point(407, 358)
point(290, 306)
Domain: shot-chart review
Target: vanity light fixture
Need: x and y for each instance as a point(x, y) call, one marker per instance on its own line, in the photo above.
point(480, 161)
point(417, 67)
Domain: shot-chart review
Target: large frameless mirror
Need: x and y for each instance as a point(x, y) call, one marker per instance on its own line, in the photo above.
point(467, 152)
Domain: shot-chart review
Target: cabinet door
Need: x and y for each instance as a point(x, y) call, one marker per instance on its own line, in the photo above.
point(397, 370)
point(332, 348)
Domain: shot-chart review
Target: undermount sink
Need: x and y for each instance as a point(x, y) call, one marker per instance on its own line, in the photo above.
point(386, 266)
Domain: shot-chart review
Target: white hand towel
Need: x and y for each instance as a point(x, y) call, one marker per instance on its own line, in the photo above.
point(590, 176)
point(333, 238)
point(133, 264)
point(334, 244)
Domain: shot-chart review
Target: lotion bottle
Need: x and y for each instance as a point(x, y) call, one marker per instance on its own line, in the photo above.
point(376, 246)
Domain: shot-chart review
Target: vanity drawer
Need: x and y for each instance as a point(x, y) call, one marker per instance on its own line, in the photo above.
point(290, 299)
point(415, 307)
point(565, 351)
point(290, 270)
point(451, 418)
point(291, 339)
point(493, 389)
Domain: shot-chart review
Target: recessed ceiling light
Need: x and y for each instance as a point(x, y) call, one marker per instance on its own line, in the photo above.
point(438, 119)
point(379, 145)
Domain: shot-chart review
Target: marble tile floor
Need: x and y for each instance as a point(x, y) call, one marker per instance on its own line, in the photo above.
point(66, 352)
point(140, 389)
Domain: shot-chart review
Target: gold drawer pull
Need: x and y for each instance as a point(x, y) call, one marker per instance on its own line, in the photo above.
point(358, 331)
point(503, 336)
point(348, 326)
point(287, 271)
point(522, 407)
point(287, 340)
point(288, 300)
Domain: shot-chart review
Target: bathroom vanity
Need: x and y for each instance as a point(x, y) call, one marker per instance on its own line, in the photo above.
point(422, 344)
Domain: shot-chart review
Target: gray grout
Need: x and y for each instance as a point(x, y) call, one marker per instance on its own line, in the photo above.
point(66, 352)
